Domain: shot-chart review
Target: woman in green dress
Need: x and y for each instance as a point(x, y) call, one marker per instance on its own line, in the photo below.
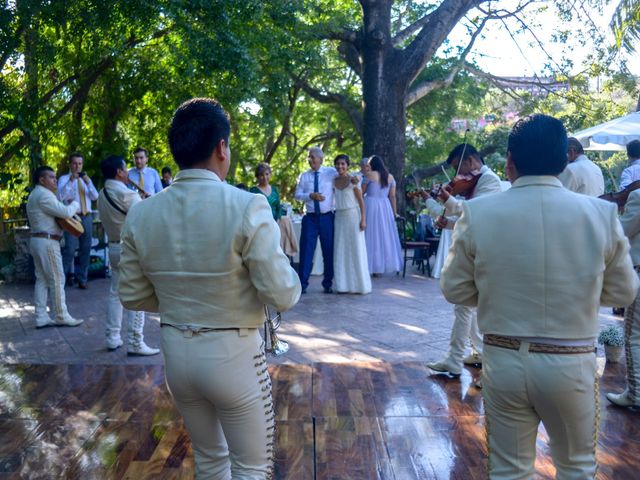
point(263, 175)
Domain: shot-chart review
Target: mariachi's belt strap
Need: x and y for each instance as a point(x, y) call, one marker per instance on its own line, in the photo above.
point(535, 347)
point(50, 236)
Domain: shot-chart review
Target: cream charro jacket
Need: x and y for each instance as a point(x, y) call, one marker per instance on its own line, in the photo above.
point(112, 219)
point(538, 261)
point(205, 253)
point(630, 220)
point(583, 176)
point(42, 209)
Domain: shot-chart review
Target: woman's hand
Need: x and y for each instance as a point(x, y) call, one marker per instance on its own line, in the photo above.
point(363, 225)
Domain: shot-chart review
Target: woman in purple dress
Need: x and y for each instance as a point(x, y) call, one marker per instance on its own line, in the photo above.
point(381, 235)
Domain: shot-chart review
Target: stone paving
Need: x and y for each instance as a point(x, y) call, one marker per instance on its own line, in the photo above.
point(401, 320)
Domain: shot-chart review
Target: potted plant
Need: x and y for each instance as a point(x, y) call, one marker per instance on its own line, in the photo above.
point(612, 338)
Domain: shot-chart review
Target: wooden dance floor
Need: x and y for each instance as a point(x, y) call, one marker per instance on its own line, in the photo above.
point(364, 421)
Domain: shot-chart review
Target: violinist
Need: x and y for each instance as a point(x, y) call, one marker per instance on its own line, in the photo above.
point(632, 172)
point(473, 179)
point(581, 175)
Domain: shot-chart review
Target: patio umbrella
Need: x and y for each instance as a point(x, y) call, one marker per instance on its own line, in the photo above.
point(611, 135)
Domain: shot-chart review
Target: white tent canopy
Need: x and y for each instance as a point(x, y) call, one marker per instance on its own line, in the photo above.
point(612, 135)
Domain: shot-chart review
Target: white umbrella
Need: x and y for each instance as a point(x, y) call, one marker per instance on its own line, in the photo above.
point(611, 135)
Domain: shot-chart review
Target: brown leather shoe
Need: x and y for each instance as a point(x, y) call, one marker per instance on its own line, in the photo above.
point(82, 286)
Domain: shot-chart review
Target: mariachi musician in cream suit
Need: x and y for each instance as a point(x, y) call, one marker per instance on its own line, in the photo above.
point(630, 397)
point(207, 256)
point(465, 325)
point(42, 209)
point(538, 261)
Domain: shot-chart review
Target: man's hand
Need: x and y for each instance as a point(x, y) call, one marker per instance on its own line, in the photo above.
point(355, 179)
point(317, 196)
point(441, 222)
point(444, 194)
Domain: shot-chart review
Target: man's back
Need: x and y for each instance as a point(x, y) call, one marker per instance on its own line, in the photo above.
point(583, 176)
point(562, 255)
point(210, 251)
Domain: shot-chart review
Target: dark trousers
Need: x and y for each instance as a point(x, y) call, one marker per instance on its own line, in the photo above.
point(83, 245)
point(312, 226)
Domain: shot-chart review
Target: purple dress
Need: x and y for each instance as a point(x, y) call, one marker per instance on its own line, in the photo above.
point(381, 235)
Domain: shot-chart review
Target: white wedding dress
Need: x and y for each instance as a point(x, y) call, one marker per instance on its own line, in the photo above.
point(350, 268)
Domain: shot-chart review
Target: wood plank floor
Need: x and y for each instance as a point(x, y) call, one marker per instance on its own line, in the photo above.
point(361, 421)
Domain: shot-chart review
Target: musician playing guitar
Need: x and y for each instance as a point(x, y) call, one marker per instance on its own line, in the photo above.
point(42, 209)
point(473, 179)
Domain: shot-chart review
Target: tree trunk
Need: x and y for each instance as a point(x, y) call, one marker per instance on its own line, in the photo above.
point(383, 92)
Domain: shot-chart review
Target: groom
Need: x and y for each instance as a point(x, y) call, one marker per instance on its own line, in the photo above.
point(315, 189)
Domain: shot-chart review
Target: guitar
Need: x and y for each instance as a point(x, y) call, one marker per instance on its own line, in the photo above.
point(71, 225)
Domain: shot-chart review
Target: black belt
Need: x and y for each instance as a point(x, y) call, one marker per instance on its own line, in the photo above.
point(511, 343)
point(50, 236)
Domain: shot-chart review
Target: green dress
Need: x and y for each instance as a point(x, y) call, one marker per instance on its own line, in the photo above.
point(273, 199)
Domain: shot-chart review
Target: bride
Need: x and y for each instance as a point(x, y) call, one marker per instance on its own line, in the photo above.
point(350, 267)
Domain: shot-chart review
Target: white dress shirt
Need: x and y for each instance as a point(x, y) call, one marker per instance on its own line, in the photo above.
point(325, 188)
point(630, 174)
point(152, 183)
point(68, 190)
point(42, 209)
point(112, 219)
point(583, 176)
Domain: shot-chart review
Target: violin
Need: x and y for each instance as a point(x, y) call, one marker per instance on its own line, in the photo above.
point(459, 185)
point(620, 198)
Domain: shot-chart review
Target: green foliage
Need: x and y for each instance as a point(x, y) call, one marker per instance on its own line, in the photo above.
point(611, 335)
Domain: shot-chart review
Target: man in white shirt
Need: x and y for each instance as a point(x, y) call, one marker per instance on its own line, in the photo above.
point(114, 202)
point(77, 186)
point(581, 175)
point(315, 189)
point(145, 177)
point(632, 172)
point(538, 302)
point(42, 209)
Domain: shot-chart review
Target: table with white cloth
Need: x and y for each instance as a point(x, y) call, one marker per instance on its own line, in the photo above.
point(318, 263)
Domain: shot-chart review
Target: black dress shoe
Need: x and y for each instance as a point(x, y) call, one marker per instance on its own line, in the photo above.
point(328, 290)
point(69, 281)
point(304, 290)
point(82, 286)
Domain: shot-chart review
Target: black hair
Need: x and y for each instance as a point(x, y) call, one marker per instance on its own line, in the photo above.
point(377, 165)
point(196, 129)
point(39, 173)
point(574, 144)
point(342, 156)
point(242, 186)
point(469, 151)
point(538, 145)
point(633, 149)
point(140, 149)
point(73, 155)
point(110, 166)
point(166, 170)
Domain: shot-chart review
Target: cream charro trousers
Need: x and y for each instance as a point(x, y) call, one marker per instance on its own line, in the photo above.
point(632, 348)
point(465, 326)
point(135, 320)
point(521, 389)
point(220, 384)
point(50, 278)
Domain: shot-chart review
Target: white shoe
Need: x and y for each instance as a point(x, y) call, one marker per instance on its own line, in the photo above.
point(445, 366)
point(114, 343)
point(69, 322)
point(474, 358)
point(622, 400)
point(142, 349)
point(45, 322)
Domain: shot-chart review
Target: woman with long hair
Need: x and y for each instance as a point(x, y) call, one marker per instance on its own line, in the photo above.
point(381, 236)
point(350, 270)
